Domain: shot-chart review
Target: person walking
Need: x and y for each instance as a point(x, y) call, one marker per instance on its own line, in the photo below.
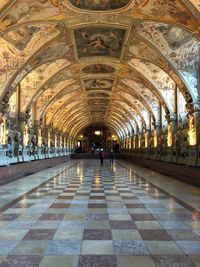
point(101, 156)
point(111, 156)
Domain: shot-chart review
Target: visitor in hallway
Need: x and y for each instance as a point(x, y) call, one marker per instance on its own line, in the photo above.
point(111, 156)
point(101, 156)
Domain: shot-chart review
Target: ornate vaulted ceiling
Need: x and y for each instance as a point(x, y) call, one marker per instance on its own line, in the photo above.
point(117, 62)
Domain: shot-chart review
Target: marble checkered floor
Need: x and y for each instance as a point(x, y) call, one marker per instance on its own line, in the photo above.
point(101, 216)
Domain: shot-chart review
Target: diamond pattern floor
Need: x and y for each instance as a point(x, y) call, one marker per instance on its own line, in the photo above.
point(99, 216)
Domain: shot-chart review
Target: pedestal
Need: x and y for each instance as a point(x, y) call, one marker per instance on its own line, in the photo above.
point(39, 153)
point(36, 157)
point(193, 156)
point(174, 155)
point(198, 156)
point(26, 154)
point(20, 154)
point(184, 158)
point(169, 155)
point(3, 156)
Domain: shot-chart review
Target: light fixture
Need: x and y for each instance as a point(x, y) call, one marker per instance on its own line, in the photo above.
point(97, 132)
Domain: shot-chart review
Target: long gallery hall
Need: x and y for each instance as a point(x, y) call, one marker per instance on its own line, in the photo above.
point(99, 133)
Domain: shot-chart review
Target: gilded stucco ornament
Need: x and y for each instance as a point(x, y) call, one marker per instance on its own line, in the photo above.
point(150, 44)
point(4, 104)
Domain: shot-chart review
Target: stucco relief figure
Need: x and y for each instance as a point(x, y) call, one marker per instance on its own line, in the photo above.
point(52, 145)
point(177, 142)
point(32, 144)
point(184, 146)
point(44, 142)
point(10, 146)
point(164, 141)
point(44, 145)
point(17, 138)
point(99, 4)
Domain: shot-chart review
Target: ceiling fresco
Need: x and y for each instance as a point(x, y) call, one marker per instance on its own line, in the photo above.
point(99, 41)
point(162, 82)
point(54, 52)
point(24, 10)
point(178, 45)
point(99, 5)
point(92, 94)
point(20, 37)
point(119, 63)
point(149, 97)
point(98, 68)
point(98, 84)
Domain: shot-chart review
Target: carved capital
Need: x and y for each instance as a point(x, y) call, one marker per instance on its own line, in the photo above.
point(37, 124)
point(190, 108)
point(168, 118)
point(3, 107)
point(173, 117)
point(22, 117)
point(158, 124)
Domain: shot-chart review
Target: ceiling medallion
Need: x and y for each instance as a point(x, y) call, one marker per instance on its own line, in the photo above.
point(99, 5)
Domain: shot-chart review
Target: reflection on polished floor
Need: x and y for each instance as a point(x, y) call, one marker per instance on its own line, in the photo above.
point(84, 214)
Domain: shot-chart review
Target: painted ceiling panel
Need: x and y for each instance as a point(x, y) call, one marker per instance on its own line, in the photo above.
point(169, 10)
point(39, 79)
point(99, 5)
point(99, 41)
point(26, 10)
point(49, 95)
point(98, 68)
point(59, 50)
point(160, 79)
point(116, 60)
point(145, 93)
point(180, 48)
point(13, 57)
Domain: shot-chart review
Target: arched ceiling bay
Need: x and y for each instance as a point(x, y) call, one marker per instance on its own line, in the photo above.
point(83, 62)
